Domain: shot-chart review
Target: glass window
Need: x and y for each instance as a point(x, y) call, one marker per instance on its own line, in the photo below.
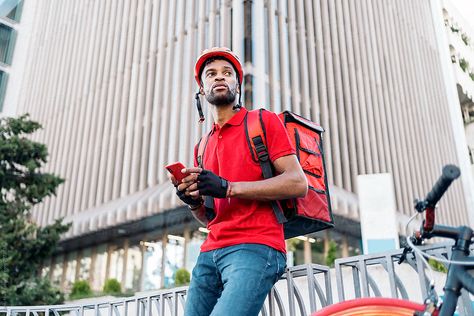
point(100, 268)
point(85, 265)
point(193, 248)
point(11, 9)
point(57, 270)
point(3, 87)
point(7, 41)
point(134, 264)
point(45, 271)
point(174, 258)
point(116, 264)
point(152, 265)
point(71, 270)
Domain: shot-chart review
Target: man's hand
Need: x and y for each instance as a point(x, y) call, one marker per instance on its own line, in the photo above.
point(207, 183)
point(182, 192)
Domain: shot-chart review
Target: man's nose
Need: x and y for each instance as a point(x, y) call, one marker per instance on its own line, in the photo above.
point(219, 77)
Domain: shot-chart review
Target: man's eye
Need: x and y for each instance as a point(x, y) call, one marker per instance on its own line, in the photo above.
point(209, 74)
point(227, 73)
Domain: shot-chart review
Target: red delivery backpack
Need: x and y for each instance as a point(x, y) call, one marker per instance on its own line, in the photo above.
point(299, 216)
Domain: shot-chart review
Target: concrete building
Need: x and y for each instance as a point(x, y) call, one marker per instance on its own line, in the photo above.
point(10, 25)
point(460, 35)
point(112, 84)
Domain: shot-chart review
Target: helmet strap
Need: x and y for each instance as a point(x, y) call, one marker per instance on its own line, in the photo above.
point(239, 104)
point(199, 108)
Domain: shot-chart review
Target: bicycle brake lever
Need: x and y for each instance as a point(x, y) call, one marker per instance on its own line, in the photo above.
point(403, 257)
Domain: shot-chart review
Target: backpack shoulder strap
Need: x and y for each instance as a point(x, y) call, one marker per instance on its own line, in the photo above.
point(201, 149)
point(255, 132)
point(208, 200)
point(256, 139)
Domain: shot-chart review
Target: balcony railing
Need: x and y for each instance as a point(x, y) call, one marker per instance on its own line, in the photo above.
point(301, 290)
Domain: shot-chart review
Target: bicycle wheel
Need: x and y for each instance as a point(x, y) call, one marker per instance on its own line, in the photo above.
point(372, 306)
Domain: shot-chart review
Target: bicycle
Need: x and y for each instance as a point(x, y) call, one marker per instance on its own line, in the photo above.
point(460, 262)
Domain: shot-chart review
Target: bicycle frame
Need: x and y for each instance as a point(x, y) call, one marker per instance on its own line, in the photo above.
point(457, 277)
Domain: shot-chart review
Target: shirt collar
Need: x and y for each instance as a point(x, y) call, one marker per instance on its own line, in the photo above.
point(235, 120)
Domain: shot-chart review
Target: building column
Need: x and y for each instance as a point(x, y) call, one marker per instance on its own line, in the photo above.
point(78, 265)
point(344, 247)
point(51, 269)
point(92, 267)
point(142, 272)
point(307, 251)
point(164, 242)
point(63, 276)
point(326, 244)
point(187, 239)
point(125, 262)
point(110, 249)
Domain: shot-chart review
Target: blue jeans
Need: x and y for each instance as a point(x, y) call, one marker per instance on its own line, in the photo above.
point(233, 280)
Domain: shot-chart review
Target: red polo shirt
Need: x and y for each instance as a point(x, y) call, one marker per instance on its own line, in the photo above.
point(227, 154)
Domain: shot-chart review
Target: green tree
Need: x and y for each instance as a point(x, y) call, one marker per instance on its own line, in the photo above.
point(182, 277)
point(112, 286)
point(332, 253)
point(80, 289)
point(23, 244)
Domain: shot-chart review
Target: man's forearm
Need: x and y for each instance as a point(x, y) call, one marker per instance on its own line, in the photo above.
point(283, 186)
point(200, 215)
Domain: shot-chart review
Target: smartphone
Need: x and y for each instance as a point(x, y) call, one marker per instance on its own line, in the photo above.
point(175, 170)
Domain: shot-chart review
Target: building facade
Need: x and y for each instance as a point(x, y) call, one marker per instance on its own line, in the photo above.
point(10, 18)
point(112, 84)
point(460, 36)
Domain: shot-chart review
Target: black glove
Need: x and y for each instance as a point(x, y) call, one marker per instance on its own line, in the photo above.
point(211, 184)
point(188, 199)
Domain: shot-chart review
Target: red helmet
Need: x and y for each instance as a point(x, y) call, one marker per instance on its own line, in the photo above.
point(217, 52)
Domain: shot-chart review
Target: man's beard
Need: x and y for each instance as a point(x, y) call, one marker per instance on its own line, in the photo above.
point(221, 99)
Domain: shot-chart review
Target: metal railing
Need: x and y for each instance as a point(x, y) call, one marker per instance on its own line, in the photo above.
point(369, 272)
point(298, 292)
point(301, 290)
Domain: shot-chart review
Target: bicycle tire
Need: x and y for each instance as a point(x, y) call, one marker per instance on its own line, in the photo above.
point(372, 306)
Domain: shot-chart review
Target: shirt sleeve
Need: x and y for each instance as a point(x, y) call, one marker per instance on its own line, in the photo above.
point(278, 142)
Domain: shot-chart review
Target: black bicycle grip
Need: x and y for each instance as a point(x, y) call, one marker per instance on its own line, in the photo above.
point(450, 173)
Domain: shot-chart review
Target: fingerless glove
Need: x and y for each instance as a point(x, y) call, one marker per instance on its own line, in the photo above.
point(210, 184)
point(193, 203)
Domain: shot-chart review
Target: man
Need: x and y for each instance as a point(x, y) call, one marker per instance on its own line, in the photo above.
point(244, 253)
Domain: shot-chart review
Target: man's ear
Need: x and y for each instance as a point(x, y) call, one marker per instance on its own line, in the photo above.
point(201, 90)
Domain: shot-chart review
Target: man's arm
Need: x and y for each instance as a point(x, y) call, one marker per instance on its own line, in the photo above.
point(195, 204)
point(289, 183)
point(199, 214)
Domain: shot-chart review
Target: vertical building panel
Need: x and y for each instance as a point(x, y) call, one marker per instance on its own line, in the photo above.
point(112, 83)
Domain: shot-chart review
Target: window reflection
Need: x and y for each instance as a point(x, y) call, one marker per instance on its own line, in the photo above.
point(134, 264)
point(71, 270)
point(193, 248)
point(11, 9)
point(3, 87)
point(174, 259)
point(7, 41)
point(116, 264)
point(100, 268)
point(57, 270)
point(152, 265)
point(45, 271)
point(85, 265)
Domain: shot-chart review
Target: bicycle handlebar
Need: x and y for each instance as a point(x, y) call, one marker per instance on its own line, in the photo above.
point(450, 173)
